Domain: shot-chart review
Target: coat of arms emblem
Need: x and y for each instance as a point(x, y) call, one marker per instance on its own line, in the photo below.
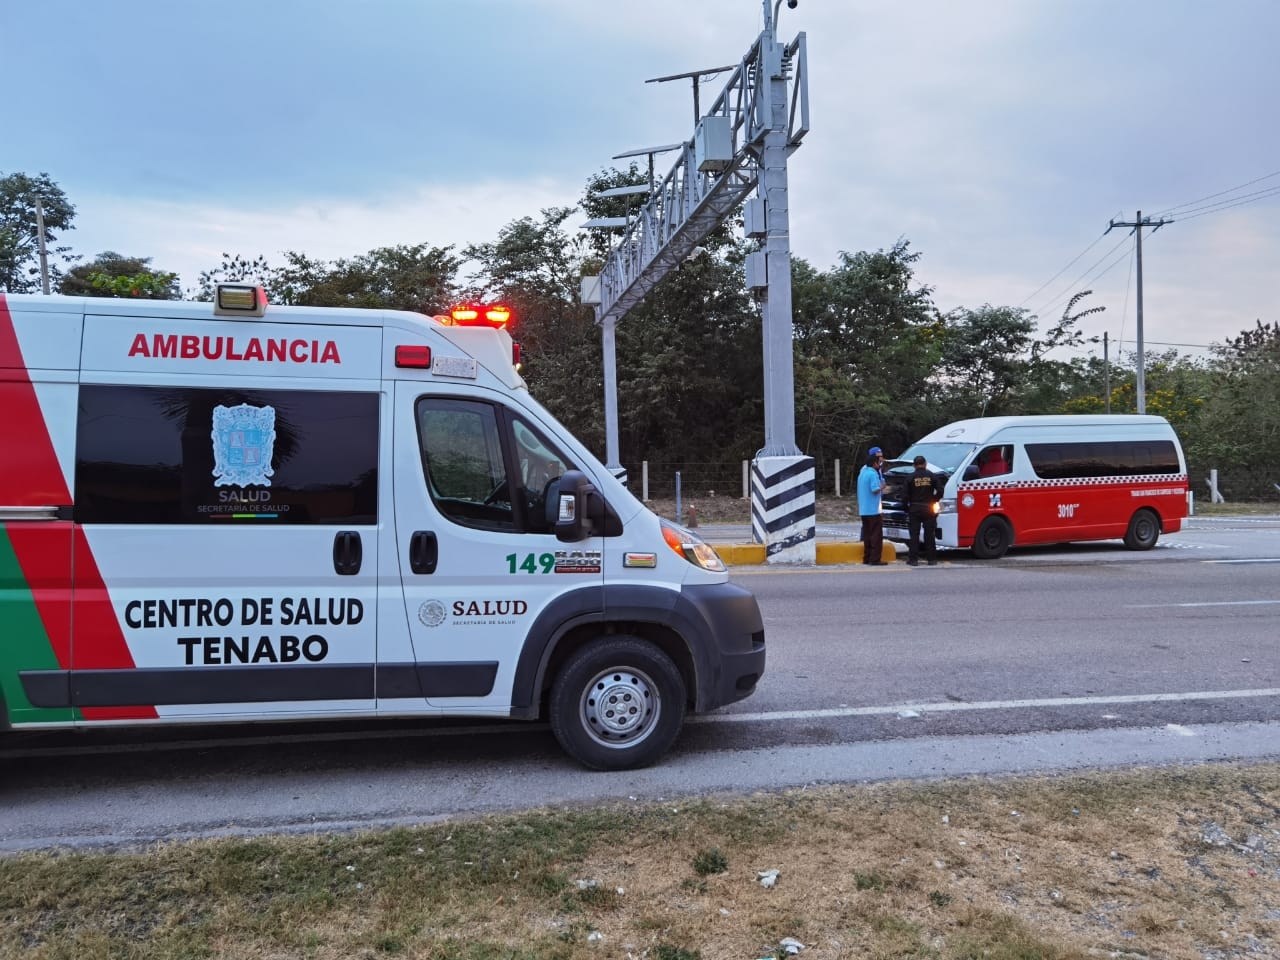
point(244, 439)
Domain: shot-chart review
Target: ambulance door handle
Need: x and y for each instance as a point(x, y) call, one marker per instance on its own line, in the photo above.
point(423, 551)
point(347, 553)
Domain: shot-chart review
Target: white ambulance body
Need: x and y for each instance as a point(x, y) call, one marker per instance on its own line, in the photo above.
point(1048, 479)
point(235, 511)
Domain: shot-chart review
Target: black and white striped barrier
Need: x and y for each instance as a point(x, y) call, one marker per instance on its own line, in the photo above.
point(783, 508)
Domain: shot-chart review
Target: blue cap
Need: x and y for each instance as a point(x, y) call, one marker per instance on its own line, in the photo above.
point(873, 451)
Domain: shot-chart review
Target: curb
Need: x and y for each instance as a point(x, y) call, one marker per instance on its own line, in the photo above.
point(746, 554)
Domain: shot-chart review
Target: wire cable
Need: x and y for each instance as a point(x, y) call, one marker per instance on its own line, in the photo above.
point(1064, 269)
point(1227, 205)
point(1071, 287)
point(1191, 203)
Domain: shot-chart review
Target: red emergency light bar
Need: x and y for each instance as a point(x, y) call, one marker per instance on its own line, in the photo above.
point(477, 315)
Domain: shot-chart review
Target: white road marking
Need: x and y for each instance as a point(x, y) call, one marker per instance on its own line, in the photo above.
point(1179, 729)
point(1254, 560)
point(949, 706)
point(1205, 603)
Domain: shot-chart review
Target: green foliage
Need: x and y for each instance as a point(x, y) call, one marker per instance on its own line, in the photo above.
point(984, 360)
point(19, 231)
point(1238, 426)
point(707, 862)
point(113, 275)
point(534, 268)
point(417, 277)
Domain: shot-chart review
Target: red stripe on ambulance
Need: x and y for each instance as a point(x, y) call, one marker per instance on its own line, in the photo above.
point(31, 476)
point(54, 555)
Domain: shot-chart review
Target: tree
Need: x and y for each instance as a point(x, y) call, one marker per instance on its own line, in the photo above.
point(20, 235)
point(869, 323)
point(1238, 428)
point(983, 360)
point(534, 268)
point(113, 275)
point(413, 277)
point(238, 269)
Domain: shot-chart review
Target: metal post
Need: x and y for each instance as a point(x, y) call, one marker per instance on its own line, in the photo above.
point(644, 480)
point(778, 334)
point(1142, 379)
point(678, 520)
point(746, 479)
point(608, 327)
point(837, 478)
point(1106, 370)
point(44, 255)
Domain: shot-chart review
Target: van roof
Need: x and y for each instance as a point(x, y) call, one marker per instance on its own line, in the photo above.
point(981, 429)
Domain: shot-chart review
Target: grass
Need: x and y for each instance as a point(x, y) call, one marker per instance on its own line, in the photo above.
point(1169, 863)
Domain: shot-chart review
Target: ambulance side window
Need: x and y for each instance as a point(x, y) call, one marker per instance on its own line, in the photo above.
point(540, 463)
point(227, 455)
point(462, 457)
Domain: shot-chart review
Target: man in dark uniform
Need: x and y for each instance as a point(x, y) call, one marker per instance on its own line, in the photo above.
point(923, 491)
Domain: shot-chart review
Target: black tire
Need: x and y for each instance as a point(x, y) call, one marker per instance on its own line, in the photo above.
point(617, 703)
point(1144, 530)
point(993, 539)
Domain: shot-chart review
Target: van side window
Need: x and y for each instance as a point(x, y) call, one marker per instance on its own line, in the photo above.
point(486, 467)
point(1103, 458)
point(995, 461)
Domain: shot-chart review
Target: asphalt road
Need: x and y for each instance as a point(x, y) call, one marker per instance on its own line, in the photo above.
point(1078, 656)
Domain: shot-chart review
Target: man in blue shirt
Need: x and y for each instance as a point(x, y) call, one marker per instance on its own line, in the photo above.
point(870, 485)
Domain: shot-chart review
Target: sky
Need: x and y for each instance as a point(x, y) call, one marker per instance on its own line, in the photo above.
point(998, 137)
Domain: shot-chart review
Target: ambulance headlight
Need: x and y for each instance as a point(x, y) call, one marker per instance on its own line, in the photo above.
point(692, 547)
point(945, 506)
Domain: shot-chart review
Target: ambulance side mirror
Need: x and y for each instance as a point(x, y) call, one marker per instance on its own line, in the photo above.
point(569, 497)
point(971, 472)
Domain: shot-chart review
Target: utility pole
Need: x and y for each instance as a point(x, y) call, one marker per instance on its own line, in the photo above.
point(44, 255)
point(1106, 369)
point(1137, 225)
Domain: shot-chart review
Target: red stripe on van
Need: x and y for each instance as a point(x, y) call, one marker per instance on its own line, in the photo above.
point(97, 642)
point(31, 476)
point(43, 552)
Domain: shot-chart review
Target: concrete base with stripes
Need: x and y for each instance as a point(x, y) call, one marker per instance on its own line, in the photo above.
point(783, 508)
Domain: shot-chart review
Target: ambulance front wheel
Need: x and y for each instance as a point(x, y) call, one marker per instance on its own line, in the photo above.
point(1143, 532)
point(993, 539)
point(617, 703)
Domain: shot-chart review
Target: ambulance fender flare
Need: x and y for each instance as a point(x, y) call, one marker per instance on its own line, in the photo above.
point(695, 626)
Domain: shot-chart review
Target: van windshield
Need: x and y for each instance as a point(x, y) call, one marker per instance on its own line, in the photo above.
point(946, 457)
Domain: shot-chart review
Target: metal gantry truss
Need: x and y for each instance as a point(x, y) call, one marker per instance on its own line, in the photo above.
point(689, 204)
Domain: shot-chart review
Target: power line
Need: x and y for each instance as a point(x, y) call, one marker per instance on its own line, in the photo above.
point(1220, 193)
point(1064, 269)
point(1074, 285)
point(1192, 211)
point(1227, 205)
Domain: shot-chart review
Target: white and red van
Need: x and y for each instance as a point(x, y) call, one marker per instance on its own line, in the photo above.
point(229, 511)
point(1048, 479)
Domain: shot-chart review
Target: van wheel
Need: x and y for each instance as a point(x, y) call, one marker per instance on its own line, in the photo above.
point(617, 704)
point(993, 539)
point(1144, 530)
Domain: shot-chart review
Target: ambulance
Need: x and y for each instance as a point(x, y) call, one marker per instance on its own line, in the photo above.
point(234, 511)
point(1047, 479)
